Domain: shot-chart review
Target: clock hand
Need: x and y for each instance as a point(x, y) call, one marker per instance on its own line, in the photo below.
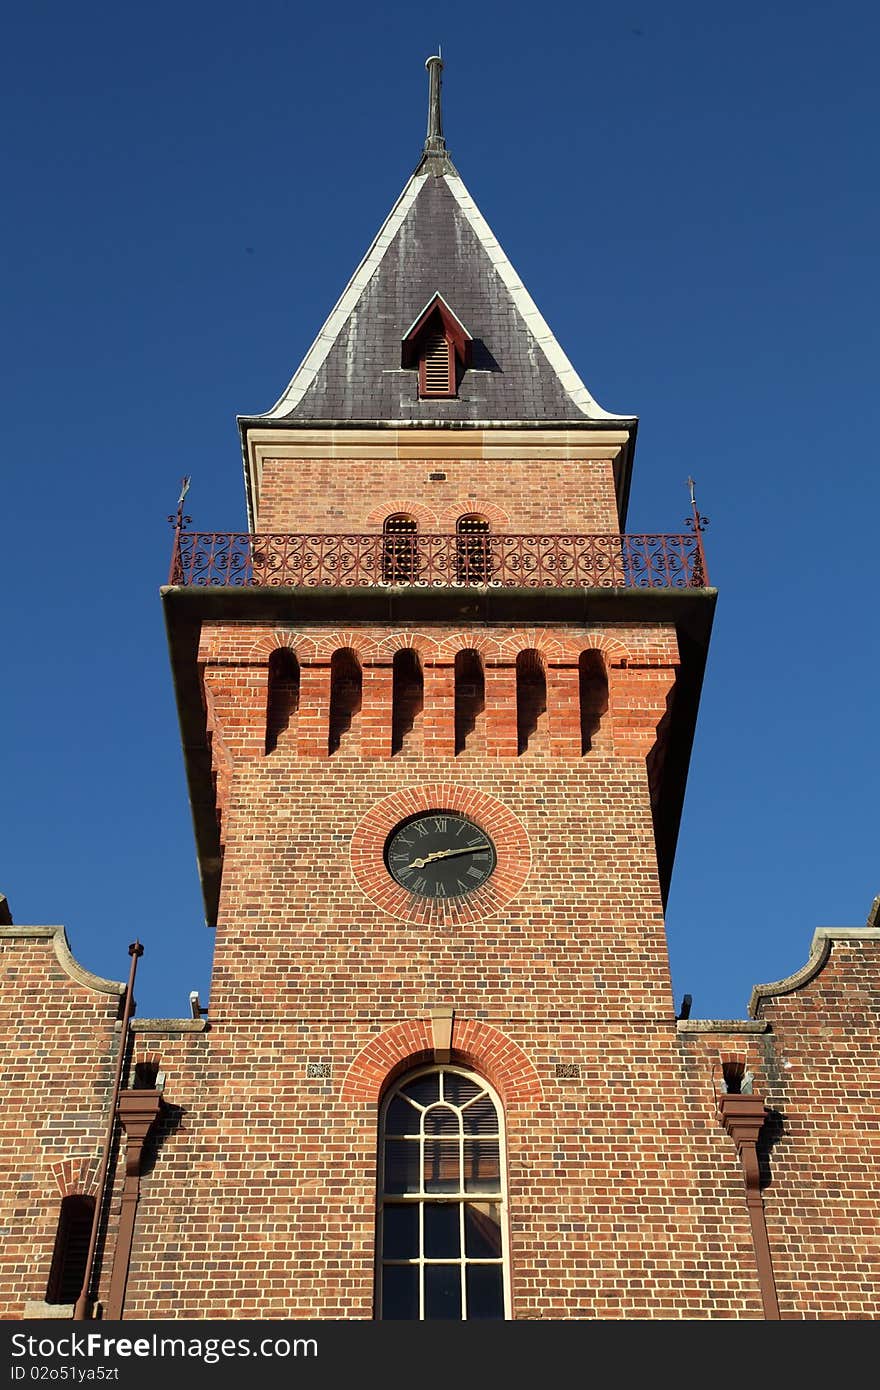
point(445, 853)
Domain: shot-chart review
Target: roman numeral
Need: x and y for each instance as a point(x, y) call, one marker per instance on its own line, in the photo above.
point(440, 823)
point(475, 873)
point(422, 829)
point(418, 885)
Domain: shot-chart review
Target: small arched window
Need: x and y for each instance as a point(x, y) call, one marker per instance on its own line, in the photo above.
point(472, 554)
point(531, 697)
point(71, 1250)
point(441, 1244)
point(407, 696)
point(345, 695)
point(400, 549)
point(593, 680)
point(283, 697)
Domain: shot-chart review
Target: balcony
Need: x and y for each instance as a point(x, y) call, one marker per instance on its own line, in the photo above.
point(223, 559)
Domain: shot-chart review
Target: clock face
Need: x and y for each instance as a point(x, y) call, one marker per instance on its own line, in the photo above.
point(439, 854)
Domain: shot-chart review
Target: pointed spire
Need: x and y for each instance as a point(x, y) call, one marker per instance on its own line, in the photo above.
point(434, 144)
point(435, 156)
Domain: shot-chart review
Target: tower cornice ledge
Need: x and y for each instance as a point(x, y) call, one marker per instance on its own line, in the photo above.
point(437, 439)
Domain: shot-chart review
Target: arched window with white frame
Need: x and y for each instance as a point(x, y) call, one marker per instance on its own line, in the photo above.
point(441, 1238)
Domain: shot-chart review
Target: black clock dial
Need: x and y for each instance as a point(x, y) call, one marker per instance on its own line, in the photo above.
point(439, 854)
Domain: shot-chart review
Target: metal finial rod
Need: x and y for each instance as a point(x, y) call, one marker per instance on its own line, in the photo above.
point(434, 142)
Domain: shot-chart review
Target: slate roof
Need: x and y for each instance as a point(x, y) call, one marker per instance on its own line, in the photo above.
point(434, 240)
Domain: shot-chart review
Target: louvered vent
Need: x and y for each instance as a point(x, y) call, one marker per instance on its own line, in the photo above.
point(436, 365)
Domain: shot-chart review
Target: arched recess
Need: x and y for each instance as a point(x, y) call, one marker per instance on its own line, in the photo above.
point(473, 549)
point(400, 554)
point(531, 699)
point(593, 695)
point(407, 696)
point(470, 696)
point(70, 1255)
point(345, 696)
point(282, 699)
point(473, 1044)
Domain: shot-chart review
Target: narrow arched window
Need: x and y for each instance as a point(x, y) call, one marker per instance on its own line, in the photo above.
point(71, 1250)
point(593, 680)
point(472, 554)
point(283, 696)
point(345, 696)
point(470, 695)
point(407, 696)
point(441, 1245)
point(531, 697)
point(400, 549)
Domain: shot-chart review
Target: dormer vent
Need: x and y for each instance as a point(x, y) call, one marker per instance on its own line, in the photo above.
point(435, 375)
point(438, 344)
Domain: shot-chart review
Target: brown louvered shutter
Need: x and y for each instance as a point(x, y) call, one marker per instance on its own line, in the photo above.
point(436, 367)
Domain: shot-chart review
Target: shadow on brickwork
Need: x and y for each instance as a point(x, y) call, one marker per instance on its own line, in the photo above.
point(773, 1130)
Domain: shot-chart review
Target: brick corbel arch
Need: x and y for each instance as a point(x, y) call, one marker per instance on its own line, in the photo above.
point(497, 518)
point(303, 648)
point(614, 652)
point(488, 647)
point(534, 639)
point(397, 641)
point(473, 1044)
point(363, 647)
point(402, 506)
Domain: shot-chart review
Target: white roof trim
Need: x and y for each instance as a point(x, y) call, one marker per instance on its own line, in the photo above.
point(535, 321)
point(317, 353)
point(449, 309)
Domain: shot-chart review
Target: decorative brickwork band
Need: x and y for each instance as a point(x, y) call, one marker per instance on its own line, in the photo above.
point(743, 1118)
point(471, 1043)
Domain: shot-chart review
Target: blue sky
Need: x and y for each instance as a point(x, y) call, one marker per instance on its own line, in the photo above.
point(690, 195)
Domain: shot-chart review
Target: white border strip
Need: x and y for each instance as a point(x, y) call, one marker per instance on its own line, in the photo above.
point(535, 321)
point(317, 354)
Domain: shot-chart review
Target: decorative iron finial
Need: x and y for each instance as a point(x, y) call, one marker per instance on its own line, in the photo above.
point(434, 144)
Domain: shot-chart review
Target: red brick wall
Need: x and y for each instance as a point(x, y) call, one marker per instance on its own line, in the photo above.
point(330, 495)
point(57, 1060)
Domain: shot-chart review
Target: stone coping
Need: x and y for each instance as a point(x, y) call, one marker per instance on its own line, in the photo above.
point(721, 1025)
point(168, 1025)
point(820, 950)
point(63, 955)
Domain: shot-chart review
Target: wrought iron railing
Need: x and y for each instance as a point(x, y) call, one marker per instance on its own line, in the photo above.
point(209, 559)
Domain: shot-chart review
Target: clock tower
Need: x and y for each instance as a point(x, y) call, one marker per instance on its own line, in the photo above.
point(437, 707)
